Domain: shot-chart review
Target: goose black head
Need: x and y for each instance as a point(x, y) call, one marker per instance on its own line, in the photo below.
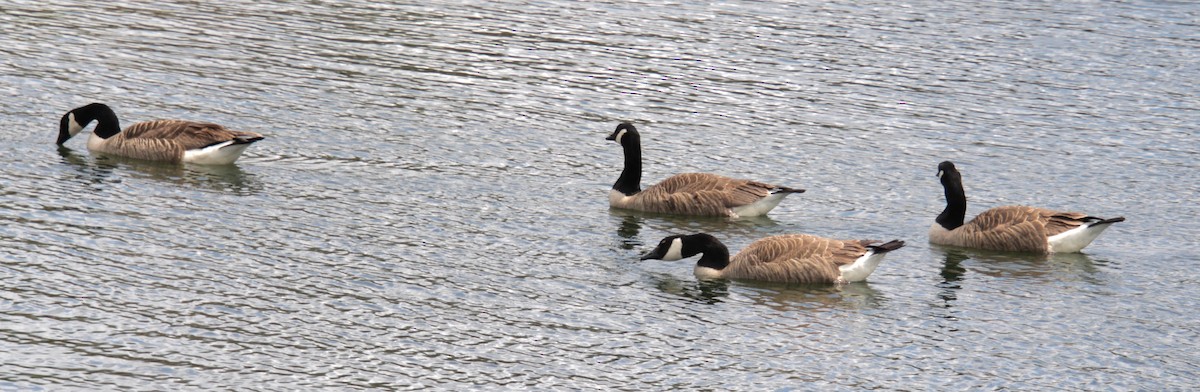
point(75, 120)
point(683, 246)
point(69, 126)
point(947, 171)
point(625, 132)
point(669, 249)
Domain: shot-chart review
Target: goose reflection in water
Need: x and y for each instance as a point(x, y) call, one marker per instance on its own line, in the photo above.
point(628, 231)
point(703, 291)
point(665, 222)
point(998, 264)
point(777, 296)
point(100, 168)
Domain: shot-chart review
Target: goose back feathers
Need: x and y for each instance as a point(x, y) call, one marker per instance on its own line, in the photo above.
point(1011, 228)
point(158, 140)
point(791, 258)
point(704, 194)
point(701, 194)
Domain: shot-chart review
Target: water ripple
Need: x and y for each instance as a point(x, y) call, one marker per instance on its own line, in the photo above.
point(428, 208)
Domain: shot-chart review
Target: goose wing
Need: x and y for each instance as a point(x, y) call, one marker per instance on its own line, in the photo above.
point(185, 135)
point(794, 258)
point(1058, 222)
point(1018, 228)
point(704, 193)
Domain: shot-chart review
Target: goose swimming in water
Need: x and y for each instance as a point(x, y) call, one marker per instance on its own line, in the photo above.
point(789, 258)
point(158, 140)
point(1011, 228)
point(701, 194)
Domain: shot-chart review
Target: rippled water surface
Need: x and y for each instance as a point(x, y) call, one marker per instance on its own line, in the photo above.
point(429, 208)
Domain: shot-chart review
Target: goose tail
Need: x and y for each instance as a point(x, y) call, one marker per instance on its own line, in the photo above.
point(784, 189)
point(862, 267)
point(246, 139)
point(1100, 221)
point(1076, 239)
point(887, 246)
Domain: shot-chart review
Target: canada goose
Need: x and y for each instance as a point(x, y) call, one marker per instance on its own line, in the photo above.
point(1011, 228)
point(690, 193)
point(789, 258)
point(158, 140)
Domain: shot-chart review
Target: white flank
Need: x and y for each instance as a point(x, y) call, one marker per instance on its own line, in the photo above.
point(616, 198)
point(73, 126)
point(675, 252)
point(760, 207)
point(939, 235)
point(1076, 239)
point(217, 154)
point(96, 143)
point(705, 273)
point(862, 267)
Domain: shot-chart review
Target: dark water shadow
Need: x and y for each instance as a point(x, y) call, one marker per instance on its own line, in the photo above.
point(987, 262)
point(627, 231)
point(999, 264)
point(778, 296)
point(785, 297)
point(959, 264)
point(952, 272)
point(87, 170)
point(677, 224)
point(962, 267)
point(707, 291)
point(1078, 266)
point(100, 168)
point(753, 220)
point(631, 226)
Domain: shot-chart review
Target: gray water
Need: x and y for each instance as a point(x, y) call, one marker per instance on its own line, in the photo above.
point(429, 209)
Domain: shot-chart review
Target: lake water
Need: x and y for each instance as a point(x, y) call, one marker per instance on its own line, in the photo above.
point(429, 209)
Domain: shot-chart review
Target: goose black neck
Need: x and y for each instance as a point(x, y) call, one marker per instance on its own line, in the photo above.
point(956, 201)
point(107, 124)
point(630, 180)
point(714, 254)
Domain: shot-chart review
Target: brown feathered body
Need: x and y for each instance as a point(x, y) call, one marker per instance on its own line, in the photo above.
point(794, 258)
point(803, 259)
point(789, 258)
point(1010, 228)
point(168, 140)
point(704, 194)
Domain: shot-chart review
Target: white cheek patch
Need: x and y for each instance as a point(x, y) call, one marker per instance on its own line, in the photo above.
point(675, 252)
point(73, 126)
point(620, 135)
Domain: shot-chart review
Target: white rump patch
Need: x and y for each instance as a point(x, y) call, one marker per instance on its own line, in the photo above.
point(760, 207)
point(1076, 239)
point(217, 154)
point(862, 267)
